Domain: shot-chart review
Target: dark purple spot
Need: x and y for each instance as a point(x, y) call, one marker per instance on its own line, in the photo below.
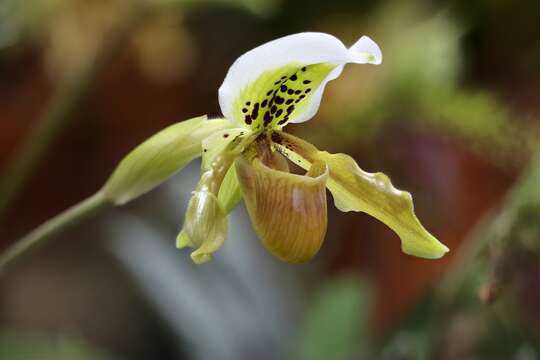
point(255, 112)
point(273, 109)
point(283, 88)
point(225, 135)
point(247, 119)
point(269, 93)
point(294, 77)
point(307, 90)
point(279, 100)
point(263, 104)
point(267, 118)
point(279, 112)
point(248, 103)
point(304, 68)
point(289, 101)
point(290, 92)
point(290, 109)
point(301, 96)
point(244, 110)
point(306, 81)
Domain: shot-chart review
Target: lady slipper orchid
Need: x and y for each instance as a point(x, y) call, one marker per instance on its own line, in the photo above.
point(247, 155)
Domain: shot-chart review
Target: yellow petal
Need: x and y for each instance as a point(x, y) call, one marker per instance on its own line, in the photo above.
point(356, 190)
point(288, 211)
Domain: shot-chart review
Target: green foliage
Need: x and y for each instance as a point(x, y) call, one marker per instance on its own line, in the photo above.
point(335, 324)
point(14, 346)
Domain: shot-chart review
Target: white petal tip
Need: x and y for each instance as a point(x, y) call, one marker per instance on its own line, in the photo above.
point(366, 51)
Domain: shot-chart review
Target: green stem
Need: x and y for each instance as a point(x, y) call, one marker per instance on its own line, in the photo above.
point(66, 219)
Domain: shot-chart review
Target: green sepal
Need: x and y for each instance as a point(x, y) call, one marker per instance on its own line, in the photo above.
point(356, 190)
point(159, 157)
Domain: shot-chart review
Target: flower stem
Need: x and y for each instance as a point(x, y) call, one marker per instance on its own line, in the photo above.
point(66, 219)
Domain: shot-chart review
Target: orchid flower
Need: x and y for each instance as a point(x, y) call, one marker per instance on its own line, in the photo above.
point(246, 155)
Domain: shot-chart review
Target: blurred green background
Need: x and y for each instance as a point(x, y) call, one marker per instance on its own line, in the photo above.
point(451, 115)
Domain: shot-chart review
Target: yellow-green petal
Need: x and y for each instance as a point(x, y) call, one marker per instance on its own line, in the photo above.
point(205, 225)
point(356, 190)
point(159, 157)
point(229, 196)
point(220, 141)
point(183, 240)
point(230, 193)
point(288, 211)
point(280, 95)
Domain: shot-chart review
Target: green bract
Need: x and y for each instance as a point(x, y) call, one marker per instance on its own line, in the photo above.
point(159, 157)
point(245, 155)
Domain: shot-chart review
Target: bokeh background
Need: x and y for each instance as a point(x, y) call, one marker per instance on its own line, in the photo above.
point(452, 115)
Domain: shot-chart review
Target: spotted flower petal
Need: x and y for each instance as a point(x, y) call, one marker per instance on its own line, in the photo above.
point(288, 211)
point(356, 190)
point(283, 80)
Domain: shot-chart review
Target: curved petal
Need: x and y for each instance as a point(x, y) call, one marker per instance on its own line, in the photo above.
point(159, 157)
point(228, 197)
point(283, 80)
point(205, 226)
point(356, 190)
point(230, 193)
point(288, 211)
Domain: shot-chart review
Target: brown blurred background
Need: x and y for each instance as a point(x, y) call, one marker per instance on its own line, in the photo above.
point(450, 115)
